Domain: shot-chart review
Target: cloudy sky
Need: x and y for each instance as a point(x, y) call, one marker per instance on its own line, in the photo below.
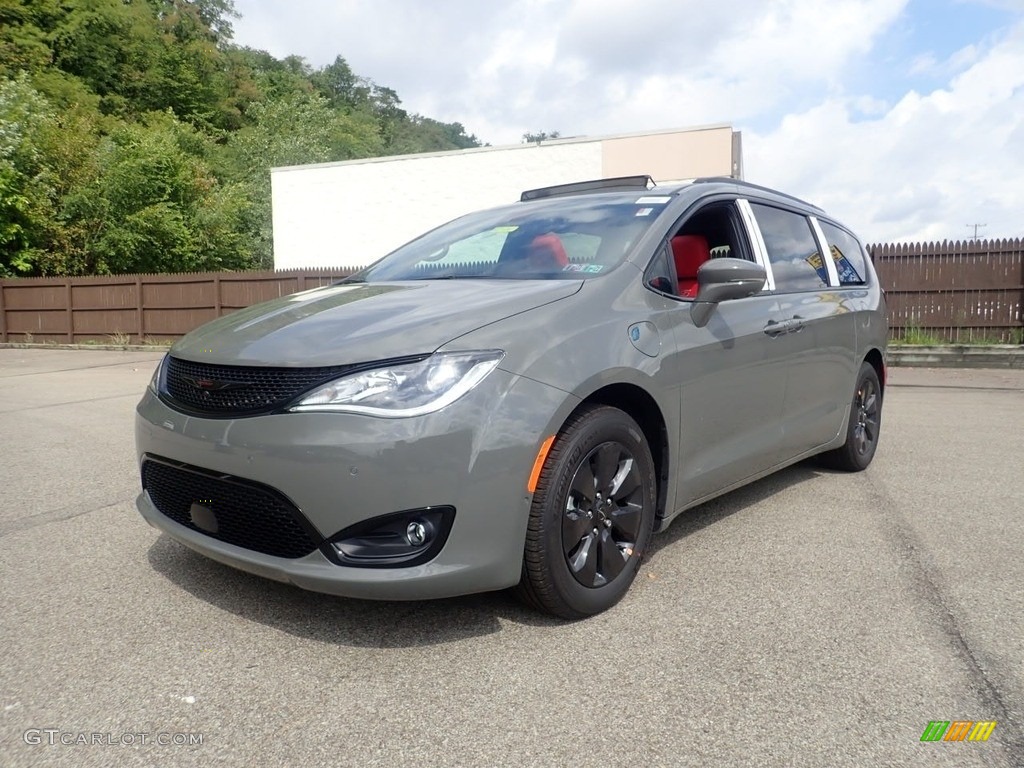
point(904, 118)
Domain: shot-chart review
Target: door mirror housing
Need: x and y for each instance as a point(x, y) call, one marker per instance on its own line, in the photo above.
point(722, 280)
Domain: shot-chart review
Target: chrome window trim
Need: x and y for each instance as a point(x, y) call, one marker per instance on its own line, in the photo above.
point(826, 252)
point(756, 241)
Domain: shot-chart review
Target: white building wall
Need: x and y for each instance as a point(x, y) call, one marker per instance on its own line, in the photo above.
point(350, 214)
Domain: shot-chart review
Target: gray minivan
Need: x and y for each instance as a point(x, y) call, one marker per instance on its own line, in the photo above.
point(520, 397)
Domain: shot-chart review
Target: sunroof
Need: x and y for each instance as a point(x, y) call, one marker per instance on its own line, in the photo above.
point(579, 187)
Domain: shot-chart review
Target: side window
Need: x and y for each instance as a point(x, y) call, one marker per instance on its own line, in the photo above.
point(713, 232)
point(719, 224)
point(847, 253)
point(792, 249)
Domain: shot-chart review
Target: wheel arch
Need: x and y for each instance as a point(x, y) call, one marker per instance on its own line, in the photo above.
point(877, 361)
point(644, 410)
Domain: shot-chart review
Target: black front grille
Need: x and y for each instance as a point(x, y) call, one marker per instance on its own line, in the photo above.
point(239, 390)
point(247, 514)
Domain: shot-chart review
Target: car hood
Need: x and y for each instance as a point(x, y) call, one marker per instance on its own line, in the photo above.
point(359, 322)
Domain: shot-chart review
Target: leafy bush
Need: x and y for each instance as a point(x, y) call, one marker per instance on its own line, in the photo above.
point(136, 137)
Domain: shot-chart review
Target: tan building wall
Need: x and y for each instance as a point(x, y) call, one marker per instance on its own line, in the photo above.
point(674, 156)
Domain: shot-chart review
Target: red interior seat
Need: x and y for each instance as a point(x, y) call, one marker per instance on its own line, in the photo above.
point(546, 253)
point(689, 252)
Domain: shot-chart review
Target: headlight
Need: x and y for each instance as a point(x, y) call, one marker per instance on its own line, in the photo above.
point(410, 389)
point(154, 382)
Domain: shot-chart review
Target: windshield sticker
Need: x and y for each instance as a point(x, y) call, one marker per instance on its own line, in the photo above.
point(644, 212)
point(591, 268)
point(653, 200)
point(506, 229)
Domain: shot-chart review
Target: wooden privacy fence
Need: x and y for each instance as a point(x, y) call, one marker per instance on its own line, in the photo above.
point(956, 291)
point(138, 307)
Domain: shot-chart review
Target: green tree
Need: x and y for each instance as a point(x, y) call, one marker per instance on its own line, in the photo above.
point(423, 134)
point(135, 136)
point(156, 207)
point(26, 191)
point(24, 44)
point(539, 136)
point(111, 45)
point(342, 88)
point(215, 15)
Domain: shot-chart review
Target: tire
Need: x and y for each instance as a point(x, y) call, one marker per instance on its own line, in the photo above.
point(863, 430)
point(592, 515)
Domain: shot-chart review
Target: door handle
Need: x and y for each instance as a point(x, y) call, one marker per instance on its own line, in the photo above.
point(775, 328)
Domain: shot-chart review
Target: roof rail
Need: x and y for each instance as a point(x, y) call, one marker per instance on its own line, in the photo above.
point(750, 185)
point(580, 187)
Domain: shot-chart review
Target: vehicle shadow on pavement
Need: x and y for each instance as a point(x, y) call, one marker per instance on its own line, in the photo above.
point(693, 520)
point(338, 620)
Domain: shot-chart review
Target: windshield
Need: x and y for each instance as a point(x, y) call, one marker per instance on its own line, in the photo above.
point(564, 238)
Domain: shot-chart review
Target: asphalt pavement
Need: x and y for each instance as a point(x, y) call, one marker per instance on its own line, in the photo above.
point(810, 619)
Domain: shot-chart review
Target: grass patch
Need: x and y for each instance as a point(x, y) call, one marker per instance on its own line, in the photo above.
point(914, 336)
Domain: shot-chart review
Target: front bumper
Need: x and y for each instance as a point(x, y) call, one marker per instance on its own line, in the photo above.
point(439, 578)
point(341, 469)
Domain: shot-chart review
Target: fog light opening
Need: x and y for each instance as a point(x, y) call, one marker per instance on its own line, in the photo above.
point(389, 541)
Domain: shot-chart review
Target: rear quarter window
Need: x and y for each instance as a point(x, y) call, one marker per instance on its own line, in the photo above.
point(847, 253)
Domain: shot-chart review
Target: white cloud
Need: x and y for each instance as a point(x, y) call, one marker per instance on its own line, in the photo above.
point(925, 169)
point(1005, 5)
point(579, 66)
point(606, 67)
point(792, 74)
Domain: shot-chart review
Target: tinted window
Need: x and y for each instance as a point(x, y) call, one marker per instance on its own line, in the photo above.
point(847, 254)
point(792, 249)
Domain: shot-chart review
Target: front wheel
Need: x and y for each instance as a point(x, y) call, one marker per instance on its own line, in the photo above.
point(862, 432)
point(592, 515)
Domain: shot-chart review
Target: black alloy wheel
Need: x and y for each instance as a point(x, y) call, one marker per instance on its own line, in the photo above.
point(867, 406)
point(603, 514)
point(592, 515)
point(864, 427)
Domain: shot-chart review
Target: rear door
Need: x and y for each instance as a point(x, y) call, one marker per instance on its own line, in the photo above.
point(815, 334)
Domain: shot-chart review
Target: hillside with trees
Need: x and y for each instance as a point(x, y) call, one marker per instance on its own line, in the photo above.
point(135, 136)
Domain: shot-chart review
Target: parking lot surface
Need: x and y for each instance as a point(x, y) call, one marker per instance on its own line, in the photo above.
point(812, 618)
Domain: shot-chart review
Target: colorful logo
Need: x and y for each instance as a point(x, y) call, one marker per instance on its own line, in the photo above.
point(958, 730)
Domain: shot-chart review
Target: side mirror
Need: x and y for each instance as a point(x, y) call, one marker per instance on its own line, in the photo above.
point(722, 280)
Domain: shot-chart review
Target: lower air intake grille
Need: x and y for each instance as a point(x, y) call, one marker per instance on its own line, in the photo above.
point(244, 513)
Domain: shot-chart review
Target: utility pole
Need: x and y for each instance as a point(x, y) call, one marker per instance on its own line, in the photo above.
point(975, 227)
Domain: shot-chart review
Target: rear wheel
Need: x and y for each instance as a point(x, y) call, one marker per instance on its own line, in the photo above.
point(862, 432)
point(592, 515)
